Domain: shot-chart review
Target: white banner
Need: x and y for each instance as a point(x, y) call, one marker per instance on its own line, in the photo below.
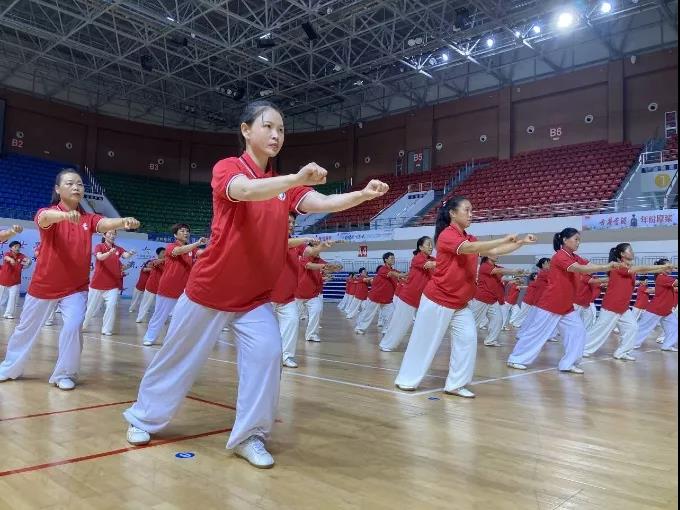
point(144, 249)
point(360, 236)
point(656, 179)
point(639, 219)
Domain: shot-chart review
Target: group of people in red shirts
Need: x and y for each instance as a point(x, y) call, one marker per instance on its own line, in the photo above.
point(257, 290)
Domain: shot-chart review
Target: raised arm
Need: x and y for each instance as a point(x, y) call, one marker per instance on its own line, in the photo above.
point(507, 245)
point(10, 260)
point(316, 202)
point(10, 232)
point(652, 269)
point(243, 189)
point(188, 248)
point(593, 268)
point(484, 247)
point(106, 255)
point(106, 224)
point(507, 272)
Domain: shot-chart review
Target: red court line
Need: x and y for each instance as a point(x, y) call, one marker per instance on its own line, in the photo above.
point(98, 406)
point(225, 406)
point(119, 451)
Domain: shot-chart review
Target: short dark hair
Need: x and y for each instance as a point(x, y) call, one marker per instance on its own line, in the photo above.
point(159, 250)
point(14, 243)
point(542, 262)
point(177, 226)
point(387, 255)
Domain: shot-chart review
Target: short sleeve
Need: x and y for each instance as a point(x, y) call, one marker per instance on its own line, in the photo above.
point(37, 217)
point(100, 248)
point(384, 271)
point(224, 172)
point(562, 261)
point(449, 241)
point(419, 260)
point(485, 269)
point(300, 250)
point(296, 196)
point(664, 281)
point(581, 260)
point(169, 248)
point(92, 222)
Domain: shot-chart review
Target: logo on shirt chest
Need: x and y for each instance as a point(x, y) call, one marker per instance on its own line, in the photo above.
point(282, 197)
point(85, 227)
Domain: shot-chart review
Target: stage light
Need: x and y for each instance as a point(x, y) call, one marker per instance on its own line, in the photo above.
point(565, 20)
point(490, 42)
point(605, 8)
point(536, 29)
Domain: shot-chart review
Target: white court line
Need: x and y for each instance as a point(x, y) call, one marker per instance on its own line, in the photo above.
point(297, 374)
point(345, 362)
point(384, 390)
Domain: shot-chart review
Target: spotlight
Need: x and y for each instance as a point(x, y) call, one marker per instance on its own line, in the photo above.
point(445, 57)
point(518, 34)
point(489, 42)
point(565, 20)
point(536, 29)
point(263, 58)
point(605, 8)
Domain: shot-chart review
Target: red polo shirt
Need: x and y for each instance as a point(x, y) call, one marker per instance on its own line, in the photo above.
point(665, 297)
point(453, 283)
point(560, 293)
point(619, 290)
point(176, 271)
point(383, 286)
point(642, 300)
point(284, 290)
point(10, 274)
point(107, 272)
point(249, 241)
point(416, 281)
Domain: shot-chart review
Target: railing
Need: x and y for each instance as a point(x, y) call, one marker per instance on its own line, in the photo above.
point(658, 157)
point(668, 198)
point(92, 185)
point(419, 186)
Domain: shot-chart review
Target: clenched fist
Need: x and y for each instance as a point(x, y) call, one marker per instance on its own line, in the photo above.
point(72, 216)
point(311, 174)
point(130, 223)
point(375, 189)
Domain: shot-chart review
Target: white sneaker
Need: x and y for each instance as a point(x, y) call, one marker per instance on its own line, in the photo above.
point(137, 436)
point(586, 355)
point(553, 340)
point(625, 357)
point(147, 343)
point(66, 384)
point(383, 349)
point(359, 331)
point(461, 392)
point(660, 340)
point(506, 328)
point(314, 338)
point(107, 333)
point(517, 366)
point(49, 323)
point(254, 451)
point(290, 363)
point(574, 370)
point(405, 388)
point(671, 349)
point(495, 343)
point(483, 328)
point(9, 317)
point(138, 321)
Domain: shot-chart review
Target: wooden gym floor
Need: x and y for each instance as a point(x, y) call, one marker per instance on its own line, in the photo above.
point(346, 438)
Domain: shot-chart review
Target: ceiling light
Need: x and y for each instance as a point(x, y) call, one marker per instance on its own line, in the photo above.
point(445, 57)
point(536, 29)
point(605, 8)
point(266, 36)
point(489, 42)
point(170, 18)
point(263, 58)
point(518, 34)
point(565, 20)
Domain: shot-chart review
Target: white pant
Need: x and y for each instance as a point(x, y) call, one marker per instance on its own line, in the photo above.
point(432, 322)
point(385, 314)
point(148, 300)
point(637, 312)
point(495, 315)
point(648, 321)
point(345, 308)
point(506, 310)
point(33, 317)
point(192, 334)
point(161, 312)
point(599, 332)
point(95, 298)
point(515, 312)
point(343, 301)
point(521, 316)
point(289, 327)
point(136, 299)
point(588, 315)
point(314, 307)
point(12, 294)
point(402, 318)
point(354, 308)
point(369, 312)
point(535, 334)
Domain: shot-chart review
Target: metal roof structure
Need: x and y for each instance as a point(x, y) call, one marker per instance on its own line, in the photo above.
point(193, 63)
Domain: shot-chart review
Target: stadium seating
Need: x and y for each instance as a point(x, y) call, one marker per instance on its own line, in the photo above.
point(588, 172)
point(360, 216)
point(157, 203)
point(26, 185)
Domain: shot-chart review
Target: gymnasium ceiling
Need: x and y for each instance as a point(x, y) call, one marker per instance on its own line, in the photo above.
point(193, 63)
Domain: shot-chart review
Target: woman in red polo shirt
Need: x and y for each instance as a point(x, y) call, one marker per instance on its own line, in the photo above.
point(381, 295)
point(149, 298)
point(490, 297)
point(407, 301)
point(444, 304)
point(351, 290)
point(232, 282)
point(660, 309)
point(10, 276)
point(61, 275)
point(138, 291)
point(360, 293)
point(511, 308)
point(309, 289)
point(587, 289)
point(105, 283)
point(534, 292)
point(615, 310)
point(642, 299)
point(555, 310)
point(179, 258)
point(346, 296)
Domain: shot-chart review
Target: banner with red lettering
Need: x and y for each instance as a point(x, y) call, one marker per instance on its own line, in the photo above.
point(637, 219)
